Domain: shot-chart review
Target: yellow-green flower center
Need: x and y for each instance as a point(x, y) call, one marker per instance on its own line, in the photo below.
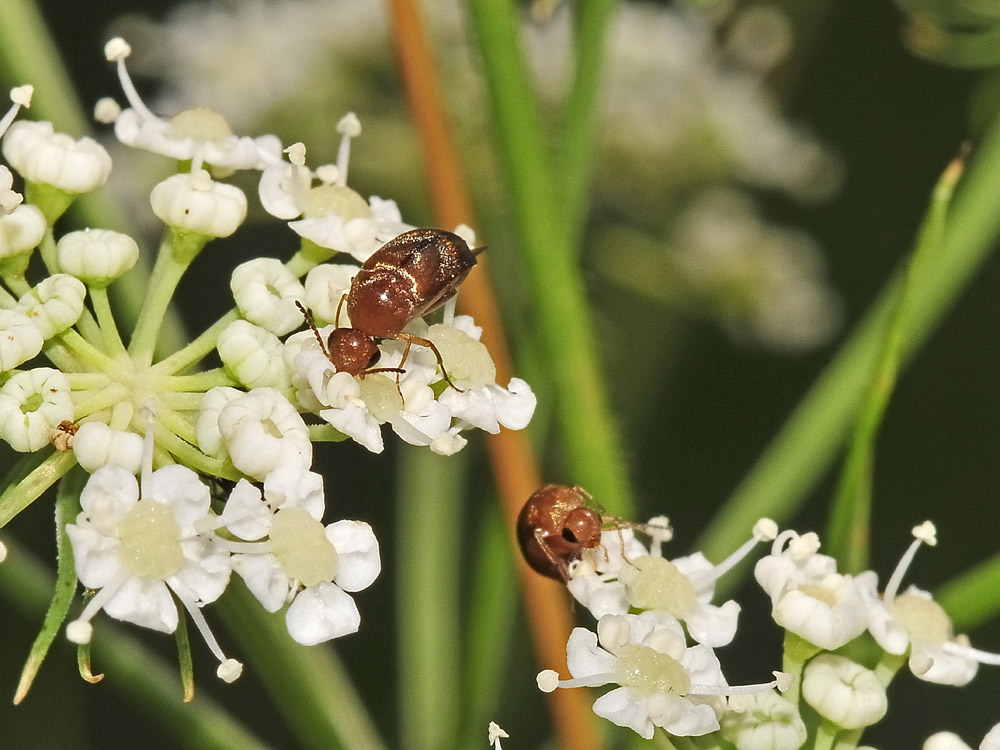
point(201, 123)
point(299, 542)
point(336, 199)
point(381, 397)
point(466, 358)
point(150, 541)
point(650, 671)
point(923, 618)
point(659, 584)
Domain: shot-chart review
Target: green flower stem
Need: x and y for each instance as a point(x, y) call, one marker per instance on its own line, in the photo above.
point(579, 118)
point(89, 354)
point(197, 383)
point(178, 425)
point(587, 426)
point(826, 735)
point(7, 300)
point(106, 321)
point(188, 455)
point(887, 667)
point(98, 400)
point(429, 519)
point(67, 508)
point(167, 272)
point(195, 351)
point(181, 401)
point(974, 597)
point(140, 675)
point(18, 284)
point(801, 452)
point(301, 263)
point(848, 739)
point(848, 533)
point(88, 381)
point(796, 653)
point(307, 683)
point(19, 495)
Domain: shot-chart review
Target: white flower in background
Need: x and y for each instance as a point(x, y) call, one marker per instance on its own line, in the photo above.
point(913, 620)
point(808, 596)
point(944, 741)
point(992, 739)
point(139, 546)
point(312, 566)
point(44, 156)
point(843, 692)
point(32, 404)
point(198, 135)
point(763, 721)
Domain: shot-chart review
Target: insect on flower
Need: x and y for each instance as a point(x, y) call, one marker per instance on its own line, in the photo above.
point(555, 526)
point(408, 277)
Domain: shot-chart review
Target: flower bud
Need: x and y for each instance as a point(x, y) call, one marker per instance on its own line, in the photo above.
point(844, 692)
point(21, 230)
point(32, 404)
point(206, 429)
point(253, 355)
point(96, 444)
point(43, 156)
point(325, 286)
point(763, 721)
point(55, 304)
point(97, 256)
point(264, 433)
point(195, 203)
point(266, 292)
point(20, 339)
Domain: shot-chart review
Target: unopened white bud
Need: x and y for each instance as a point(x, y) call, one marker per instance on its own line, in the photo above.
point(32, 404)
point(945, 741)
point(264, 432)
point(763, 721)
point(96, 444)
point(20, 230)
point(195, 203)
point(97, 256)
point(55, 304)
point(43, 156)
point(206, 429)
point(253, 355)
point(843, 691)
point(265, 292)
point(20, 339)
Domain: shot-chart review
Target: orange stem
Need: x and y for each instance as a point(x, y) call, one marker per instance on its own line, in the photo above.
point(514, 464)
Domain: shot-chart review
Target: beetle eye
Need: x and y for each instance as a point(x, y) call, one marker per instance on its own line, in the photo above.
point(569, 536)
point(374, 360)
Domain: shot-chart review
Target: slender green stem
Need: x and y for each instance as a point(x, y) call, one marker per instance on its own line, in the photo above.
point(178, 425)
point(197, 383)
point(106, 320)
point(801, 452)
point(848, 534)
point(973, 597)
point(325, 433)
point(797, 652)
point(826, 735)
point(67, 508)
point(430, 522)
point(19, 495)
point(89, 354)
point(587, 426)
point(98, 400)
point(167, 272)
point(309, 685)
point(195, 351)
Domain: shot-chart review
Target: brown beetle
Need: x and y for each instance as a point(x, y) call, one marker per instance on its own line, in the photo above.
point(408, 277)
point(555, 526)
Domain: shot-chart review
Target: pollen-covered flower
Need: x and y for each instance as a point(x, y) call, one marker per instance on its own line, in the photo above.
point(312, 566)
point(808, 596)
point(913, 620)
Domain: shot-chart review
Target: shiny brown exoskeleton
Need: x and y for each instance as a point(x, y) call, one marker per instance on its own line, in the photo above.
point(408, 277)
point(555, 526)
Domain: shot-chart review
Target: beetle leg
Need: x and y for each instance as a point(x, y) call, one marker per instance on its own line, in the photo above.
point(409, 338)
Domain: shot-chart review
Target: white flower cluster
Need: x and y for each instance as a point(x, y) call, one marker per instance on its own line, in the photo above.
point(118, 409)
point(657, 630)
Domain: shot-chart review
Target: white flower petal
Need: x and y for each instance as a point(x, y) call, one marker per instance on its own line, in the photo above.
point(321, 613)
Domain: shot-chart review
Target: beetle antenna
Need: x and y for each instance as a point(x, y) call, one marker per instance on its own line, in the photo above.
point(312, 324)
